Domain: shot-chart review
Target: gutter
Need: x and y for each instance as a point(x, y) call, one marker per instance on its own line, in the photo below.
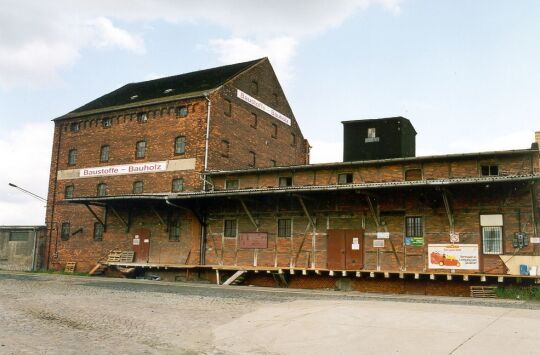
point(206, 139)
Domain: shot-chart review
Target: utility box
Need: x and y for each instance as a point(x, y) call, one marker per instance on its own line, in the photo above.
point(382, 138)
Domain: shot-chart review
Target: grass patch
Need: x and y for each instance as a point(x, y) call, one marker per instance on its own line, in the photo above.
point(530, 292)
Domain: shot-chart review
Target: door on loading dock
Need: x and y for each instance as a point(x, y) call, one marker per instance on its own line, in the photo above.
point(345, 249)
point(141, 245)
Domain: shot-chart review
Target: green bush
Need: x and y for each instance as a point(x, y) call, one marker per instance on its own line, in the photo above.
point(519, 292)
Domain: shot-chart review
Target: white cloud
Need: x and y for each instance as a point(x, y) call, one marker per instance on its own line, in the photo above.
point(41, 38)
point(280, 50)
point(25, 154)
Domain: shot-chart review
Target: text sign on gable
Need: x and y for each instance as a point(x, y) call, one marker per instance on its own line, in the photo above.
point(253, 240)
point(141, 168)
point(254, 102)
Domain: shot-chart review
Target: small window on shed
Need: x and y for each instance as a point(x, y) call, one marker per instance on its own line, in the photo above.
point(231, 184)
point(371, 133)
point(104, 153)
point(274, 130)
point(254, 88)
point(345, 178)
point(180, 145)
point(224, 148)
point(64, 231)
point(227, 108)
point(106, 122)
point(284, 227)
point(182, 111)
point(68, 192)
point(18, 236)
point(285, 181)
point(174, 229)
point(98, 231)
point(74, 126)
point(142, 117)
point(178, 185)
point(72, 157)
point(138, 187)
point(254, 120)
point(101, 190)
point(489, 170)
point(229, 228)
point(413, 174)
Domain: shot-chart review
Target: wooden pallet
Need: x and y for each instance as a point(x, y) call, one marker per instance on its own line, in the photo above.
point(70, 267)
point(483, 291)
point(114, 256)
point(127, 256)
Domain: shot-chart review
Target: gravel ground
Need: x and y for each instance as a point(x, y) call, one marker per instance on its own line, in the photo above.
point(42, 314)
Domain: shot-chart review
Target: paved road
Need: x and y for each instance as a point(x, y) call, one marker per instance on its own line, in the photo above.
point(42, 313)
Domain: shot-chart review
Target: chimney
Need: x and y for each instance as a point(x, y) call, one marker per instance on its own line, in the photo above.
point(537, 137)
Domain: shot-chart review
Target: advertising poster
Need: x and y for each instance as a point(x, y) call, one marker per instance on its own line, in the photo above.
point(453, 256)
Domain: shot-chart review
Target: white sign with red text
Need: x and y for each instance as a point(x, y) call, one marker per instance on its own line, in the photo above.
point(453, 256)
point(254, 102)
point(140, 168)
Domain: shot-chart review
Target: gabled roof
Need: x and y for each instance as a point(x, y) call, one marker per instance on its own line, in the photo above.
point(177, 85)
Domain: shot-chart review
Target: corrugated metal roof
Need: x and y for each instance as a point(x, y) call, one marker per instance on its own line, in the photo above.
point(348, 164)
point(321, 188)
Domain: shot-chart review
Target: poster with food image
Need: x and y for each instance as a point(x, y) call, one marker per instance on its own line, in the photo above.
point(453, 256)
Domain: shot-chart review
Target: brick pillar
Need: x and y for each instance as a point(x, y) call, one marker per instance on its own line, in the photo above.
point(537, 137)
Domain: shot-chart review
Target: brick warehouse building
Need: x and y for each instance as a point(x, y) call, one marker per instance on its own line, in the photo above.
point(246, 199)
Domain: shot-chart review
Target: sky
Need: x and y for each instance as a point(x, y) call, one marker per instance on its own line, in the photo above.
point(466, 73)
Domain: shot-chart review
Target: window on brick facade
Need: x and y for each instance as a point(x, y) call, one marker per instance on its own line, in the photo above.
point(254, 120)
point(273, 162)
point(345, 178)
point(489, 170)
point(106, 122)
point(231, 184)
point(276, 99)
point(142, 117)
point(492, 240)
point(274, 130)
point(413, 174)
point(285, 181)
point(229, 228)
point(414, 226)
point(101, 189)
point(180, 145)
point(72, 157)
point(68, 192)
point(65, 231)
point(98, 231)
point(492, 233)
point(138, 187)
point(254, 88)
point(140, 149)
point(224, 148)
point(174, 230)
point(178, 185)
point(104, 153)
point(293, 139)
point(252, 159)
point(74, 127)
point(227, 107)
point(284, 227)
point(182, 111)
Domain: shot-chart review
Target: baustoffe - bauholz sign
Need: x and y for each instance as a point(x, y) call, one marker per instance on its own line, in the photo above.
point(140, 168)
point(254, 102)
point(453, 256)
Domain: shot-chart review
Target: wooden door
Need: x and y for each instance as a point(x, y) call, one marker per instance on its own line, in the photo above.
point(335, 249)
point(344, 250)
point(141, 245)
point(354, 241)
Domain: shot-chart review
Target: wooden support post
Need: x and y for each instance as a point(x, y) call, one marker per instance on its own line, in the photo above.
point(372, 274)
point(500, 279)
point(358, 274)
point(483, 278)
point(386, 275)
point(465, 277)
point(217, 277)
point(401, 276)
point(416, 276)
point(304, 272)
point(317, 272)
point(331, 273)
point(291, 271)
point(449, 277)
point(431, 277)
point(344, 273)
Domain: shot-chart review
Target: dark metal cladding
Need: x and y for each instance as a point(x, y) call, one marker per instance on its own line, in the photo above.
point(382, 138)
